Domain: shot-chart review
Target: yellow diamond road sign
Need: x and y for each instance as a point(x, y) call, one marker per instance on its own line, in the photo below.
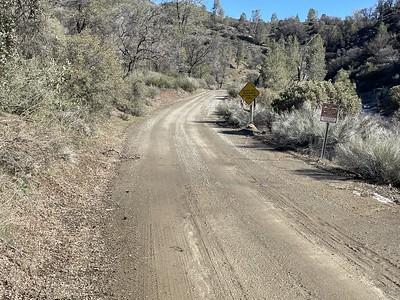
point(249, 93)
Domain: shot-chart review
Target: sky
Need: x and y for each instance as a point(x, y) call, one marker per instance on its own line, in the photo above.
point(289, 8)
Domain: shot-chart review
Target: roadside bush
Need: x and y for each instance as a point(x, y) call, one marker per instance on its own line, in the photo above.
point(318, 92)
point(267, 97)
point(28, 86)
point(159, 80)
point(187, 84)
point(27, 149)
point(303, 128)
point(171, 82)
point(93, 76)
point(374, 156)
point(233, 92)
point(236, 116)
point(394, 96)
point(298, 128)
point(233, 113)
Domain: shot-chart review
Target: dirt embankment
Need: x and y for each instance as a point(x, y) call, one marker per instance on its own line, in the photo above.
point(51, 222)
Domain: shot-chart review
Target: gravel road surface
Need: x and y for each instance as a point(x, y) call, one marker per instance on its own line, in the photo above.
point(209, 213)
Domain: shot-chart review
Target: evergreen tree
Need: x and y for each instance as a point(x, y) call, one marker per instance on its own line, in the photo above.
point(242, 21)
point(380, 41)
point(274, 73)
point(217, 10)
point(274, 18)
point(315, 59)
point(255, 21)
point(380, 49)
point(312, 15)
point(293, 57)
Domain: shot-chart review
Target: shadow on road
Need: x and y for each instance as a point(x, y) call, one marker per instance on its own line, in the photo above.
point(241, 132)
point(321, 174)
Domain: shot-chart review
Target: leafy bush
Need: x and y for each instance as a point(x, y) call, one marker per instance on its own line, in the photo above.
point(25, 149)
point(187, 84)
point(159, 80)
point(93, 77)
point(171, 82)
point(29, 85)
point(267, 97)
point(375, 156)
point(318, 92)
point(394, 96)
point(233, 92)
point(235, 115)
point(232, 113)
point(298, 128)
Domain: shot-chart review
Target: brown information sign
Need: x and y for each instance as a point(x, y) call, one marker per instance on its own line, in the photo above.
point(249, 93)
point(329, 113)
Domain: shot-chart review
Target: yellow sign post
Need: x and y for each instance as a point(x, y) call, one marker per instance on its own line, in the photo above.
point(249, 93)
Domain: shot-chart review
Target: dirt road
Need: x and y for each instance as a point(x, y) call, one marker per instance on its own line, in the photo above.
point(210, 214)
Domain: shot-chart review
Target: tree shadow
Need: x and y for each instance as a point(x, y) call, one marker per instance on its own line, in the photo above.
point(240, 132)
point(320, 175)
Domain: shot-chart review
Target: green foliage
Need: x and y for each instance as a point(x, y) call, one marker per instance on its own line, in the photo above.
point(298, 128)
point(233, 92)
point(287, 62)
point(267, 97)
point(29, 86)
point(318, 92)
point(172, 82)
point(315, 59)
point(187, 84)
point(236, 116)
point(374, 156)
point(274, 73)
point(7, 30)
point(93, 74)
point(394, 96)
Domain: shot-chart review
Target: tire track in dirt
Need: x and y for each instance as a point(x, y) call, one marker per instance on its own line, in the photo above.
point(193, 222)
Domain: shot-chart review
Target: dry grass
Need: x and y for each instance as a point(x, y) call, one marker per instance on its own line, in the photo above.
point(53, 211)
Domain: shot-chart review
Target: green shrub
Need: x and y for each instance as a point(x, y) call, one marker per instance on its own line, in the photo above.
point(187, 84)
point(232, 113)
point(153, 92)
point(298, 128)
point(163, 81)
point(130, 106)
point(375, 156)
point(93, 76)
point(233, 92)
point(159, 80)
point(28, 86)
point(267, 97)
point(303, 128)
point(394, 96)
point(235, 115)
point(318, 92)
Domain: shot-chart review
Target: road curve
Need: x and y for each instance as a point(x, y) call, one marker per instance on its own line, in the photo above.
point(198, 218)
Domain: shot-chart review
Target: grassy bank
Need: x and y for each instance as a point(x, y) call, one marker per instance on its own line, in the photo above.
point(365, 145)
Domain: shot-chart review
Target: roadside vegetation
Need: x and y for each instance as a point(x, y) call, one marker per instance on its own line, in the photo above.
point(66, 69)
point(352, 62)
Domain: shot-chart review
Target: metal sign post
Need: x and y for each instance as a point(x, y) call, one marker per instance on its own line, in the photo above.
point(329, 114)
point(249, 93)
point(325, 142)
point(252, 113)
